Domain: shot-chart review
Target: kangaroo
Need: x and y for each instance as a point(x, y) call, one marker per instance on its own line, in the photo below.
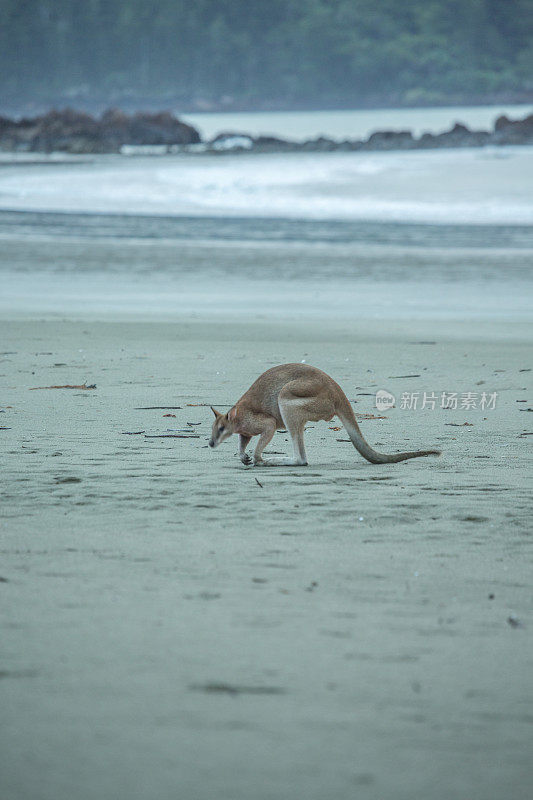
point(286, 397)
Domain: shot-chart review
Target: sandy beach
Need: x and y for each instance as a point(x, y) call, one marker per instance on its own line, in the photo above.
point(178, 625)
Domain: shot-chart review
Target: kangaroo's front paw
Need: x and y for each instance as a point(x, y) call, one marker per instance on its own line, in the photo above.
point(246, 459)
point(258, 462)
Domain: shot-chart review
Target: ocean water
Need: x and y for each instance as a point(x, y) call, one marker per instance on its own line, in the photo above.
point(439, 234)
point(483, 186)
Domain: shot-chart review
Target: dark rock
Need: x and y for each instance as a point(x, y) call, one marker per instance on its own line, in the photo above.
point(501, 123)
point(458, 136)
point(461, 136)
point(67, 130)
point(519, 131)
point(347, 145)
point(118, 128)
point(75, 132)
point(459, 131)
point(269, 141)
point(272, 144)
point(319, 145)
point(427, 140)
point(390, 140)
point(353, 144)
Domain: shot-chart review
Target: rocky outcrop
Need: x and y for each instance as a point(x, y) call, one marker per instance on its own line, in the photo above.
point(505, 132)
point(519, 131)
point(458, 136)
point(75, 132)
point(389, 140)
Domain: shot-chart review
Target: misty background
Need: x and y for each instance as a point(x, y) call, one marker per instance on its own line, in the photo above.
point(249, 54)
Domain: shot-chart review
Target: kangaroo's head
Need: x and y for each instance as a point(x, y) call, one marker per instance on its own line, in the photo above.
point(222, 428)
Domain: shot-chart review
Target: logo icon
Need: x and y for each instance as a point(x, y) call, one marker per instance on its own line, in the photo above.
point(384, 400)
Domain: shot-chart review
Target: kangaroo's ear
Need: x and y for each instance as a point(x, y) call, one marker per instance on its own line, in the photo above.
point(215, 412)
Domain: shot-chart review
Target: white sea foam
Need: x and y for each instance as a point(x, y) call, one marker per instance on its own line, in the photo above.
point(491, 186)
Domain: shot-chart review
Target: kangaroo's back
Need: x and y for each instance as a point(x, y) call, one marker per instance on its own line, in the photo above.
point(264, 392)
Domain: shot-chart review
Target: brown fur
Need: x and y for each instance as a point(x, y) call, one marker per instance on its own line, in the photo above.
point(286, 397)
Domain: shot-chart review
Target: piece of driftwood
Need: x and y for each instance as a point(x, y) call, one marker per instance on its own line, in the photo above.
point(171, 436)
point(151, 408)
point(66, 386)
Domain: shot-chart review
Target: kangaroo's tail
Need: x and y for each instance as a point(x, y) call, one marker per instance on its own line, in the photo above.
point(347, 417)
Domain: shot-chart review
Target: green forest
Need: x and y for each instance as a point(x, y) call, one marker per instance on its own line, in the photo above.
point(261, 54)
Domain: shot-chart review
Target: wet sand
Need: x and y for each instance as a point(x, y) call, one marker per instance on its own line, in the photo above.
point(178, 625)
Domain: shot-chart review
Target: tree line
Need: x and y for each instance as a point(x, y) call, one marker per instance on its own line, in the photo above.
point(264, 53)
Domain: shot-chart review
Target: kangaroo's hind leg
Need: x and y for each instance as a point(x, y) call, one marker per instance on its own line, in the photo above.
point(300, 401)
point(295, 418)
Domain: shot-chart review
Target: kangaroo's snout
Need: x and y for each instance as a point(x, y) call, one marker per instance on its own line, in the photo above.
point(211, 443)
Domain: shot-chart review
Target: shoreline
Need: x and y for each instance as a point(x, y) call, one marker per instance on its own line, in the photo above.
point(165, 268)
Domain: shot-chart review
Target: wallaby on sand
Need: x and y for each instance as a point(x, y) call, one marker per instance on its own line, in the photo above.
point(286, 397)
